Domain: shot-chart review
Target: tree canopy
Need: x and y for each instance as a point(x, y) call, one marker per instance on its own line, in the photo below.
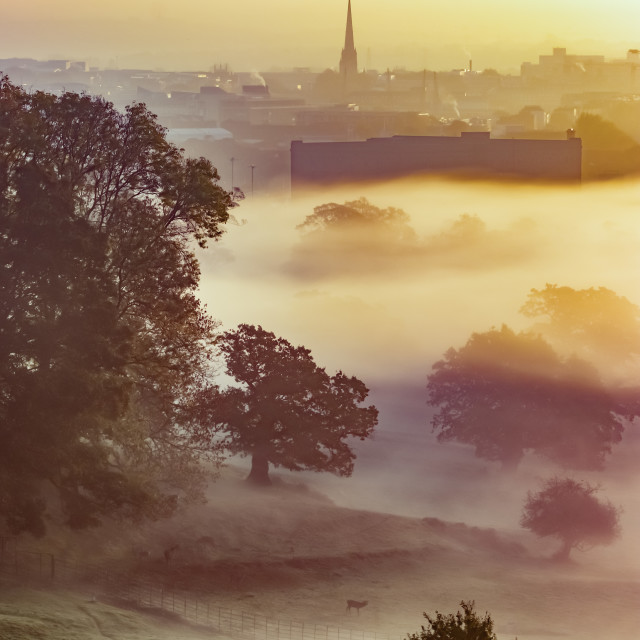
point(102, 337)
point(596, 323)
point(354, 237)
point(465, 625)
point(570, 511)
point(507, 393)
point(359, 215)
point(601, 134)
point(287, 411)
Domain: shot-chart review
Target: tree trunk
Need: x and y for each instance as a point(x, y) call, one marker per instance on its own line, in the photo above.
point(259, 470)
point(562, 555)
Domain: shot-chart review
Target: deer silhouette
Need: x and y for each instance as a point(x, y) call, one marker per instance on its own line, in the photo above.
point(354, 604)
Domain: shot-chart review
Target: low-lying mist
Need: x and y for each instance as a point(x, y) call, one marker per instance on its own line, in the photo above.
point(384, 305)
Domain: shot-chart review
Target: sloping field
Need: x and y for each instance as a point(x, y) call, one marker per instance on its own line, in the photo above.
point(288, 553)
point(30, 614)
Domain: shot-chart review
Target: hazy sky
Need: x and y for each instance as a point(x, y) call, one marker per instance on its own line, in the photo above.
point(252, 34)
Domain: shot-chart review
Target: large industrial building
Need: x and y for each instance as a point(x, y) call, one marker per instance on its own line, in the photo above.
point(471, 154)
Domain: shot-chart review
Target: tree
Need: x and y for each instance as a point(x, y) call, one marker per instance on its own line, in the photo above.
point(459, 626)
point(359, 215)
point(287, 410)
point(508, 393)
point(352, 237)
point(607, 150)
point(598, 133)
point(596, 323)
point(103, 341)
point(570, 511)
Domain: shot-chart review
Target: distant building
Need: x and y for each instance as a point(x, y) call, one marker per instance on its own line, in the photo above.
point(590, 71)
point(349, 57)
point(471, 154)
point(256, 90)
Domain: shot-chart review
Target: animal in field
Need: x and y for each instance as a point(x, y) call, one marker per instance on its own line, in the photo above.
point(354, 604)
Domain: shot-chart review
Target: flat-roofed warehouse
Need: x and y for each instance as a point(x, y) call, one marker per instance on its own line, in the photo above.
point(473, 153)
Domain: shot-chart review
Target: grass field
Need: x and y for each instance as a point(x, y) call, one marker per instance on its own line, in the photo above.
point(290, 553)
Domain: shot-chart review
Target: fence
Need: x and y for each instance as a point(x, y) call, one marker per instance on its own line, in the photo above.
point(41, 567)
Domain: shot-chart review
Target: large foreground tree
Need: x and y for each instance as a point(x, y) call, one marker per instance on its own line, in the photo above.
point(103, 341)
point(507, 393)
point(288, 411)
point(570, 511)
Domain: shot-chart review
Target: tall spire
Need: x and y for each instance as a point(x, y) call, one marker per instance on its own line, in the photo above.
point(349, 58)
point(348, 36)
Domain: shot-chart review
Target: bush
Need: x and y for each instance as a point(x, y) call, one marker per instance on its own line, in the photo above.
point(459, 626)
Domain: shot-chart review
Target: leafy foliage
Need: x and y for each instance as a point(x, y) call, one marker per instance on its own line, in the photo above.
point(102, 338)
point(569, 510)
point(358, 214)
point(508, 393)
point(596, 324)
point(465, 625)
point(598, 133)
point(354, 237)
point(287, 410)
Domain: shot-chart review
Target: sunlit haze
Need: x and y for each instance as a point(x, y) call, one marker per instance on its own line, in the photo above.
point(195, 34)
point(387, 312)
point(462, 186)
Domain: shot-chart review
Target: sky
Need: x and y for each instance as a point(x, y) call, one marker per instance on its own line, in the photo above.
point(252, 34)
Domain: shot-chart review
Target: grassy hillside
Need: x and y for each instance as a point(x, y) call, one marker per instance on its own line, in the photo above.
point(32, 614)
point(289, 553)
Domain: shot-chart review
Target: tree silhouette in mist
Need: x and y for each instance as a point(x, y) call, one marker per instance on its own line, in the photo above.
point(507, 394)
point(570, 511)
point(287, 410)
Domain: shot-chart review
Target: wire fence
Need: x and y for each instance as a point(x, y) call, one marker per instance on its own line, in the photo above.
point(35, 567)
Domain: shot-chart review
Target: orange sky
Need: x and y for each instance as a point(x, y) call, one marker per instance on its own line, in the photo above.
point(410, 33)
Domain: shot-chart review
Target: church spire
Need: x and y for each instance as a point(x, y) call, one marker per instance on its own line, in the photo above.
point(349, 58)
point(348, 36)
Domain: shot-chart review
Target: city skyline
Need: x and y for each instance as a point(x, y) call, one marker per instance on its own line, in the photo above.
point(196, 34)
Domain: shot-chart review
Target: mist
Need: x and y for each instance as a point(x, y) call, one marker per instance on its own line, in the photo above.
point(386, 311)
point(386, 308)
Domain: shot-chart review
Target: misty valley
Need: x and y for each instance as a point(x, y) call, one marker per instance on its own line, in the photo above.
point(308, 353)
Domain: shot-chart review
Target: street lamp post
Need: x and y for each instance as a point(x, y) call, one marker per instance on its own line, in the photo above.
point(232, 161)
point(253, 166)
